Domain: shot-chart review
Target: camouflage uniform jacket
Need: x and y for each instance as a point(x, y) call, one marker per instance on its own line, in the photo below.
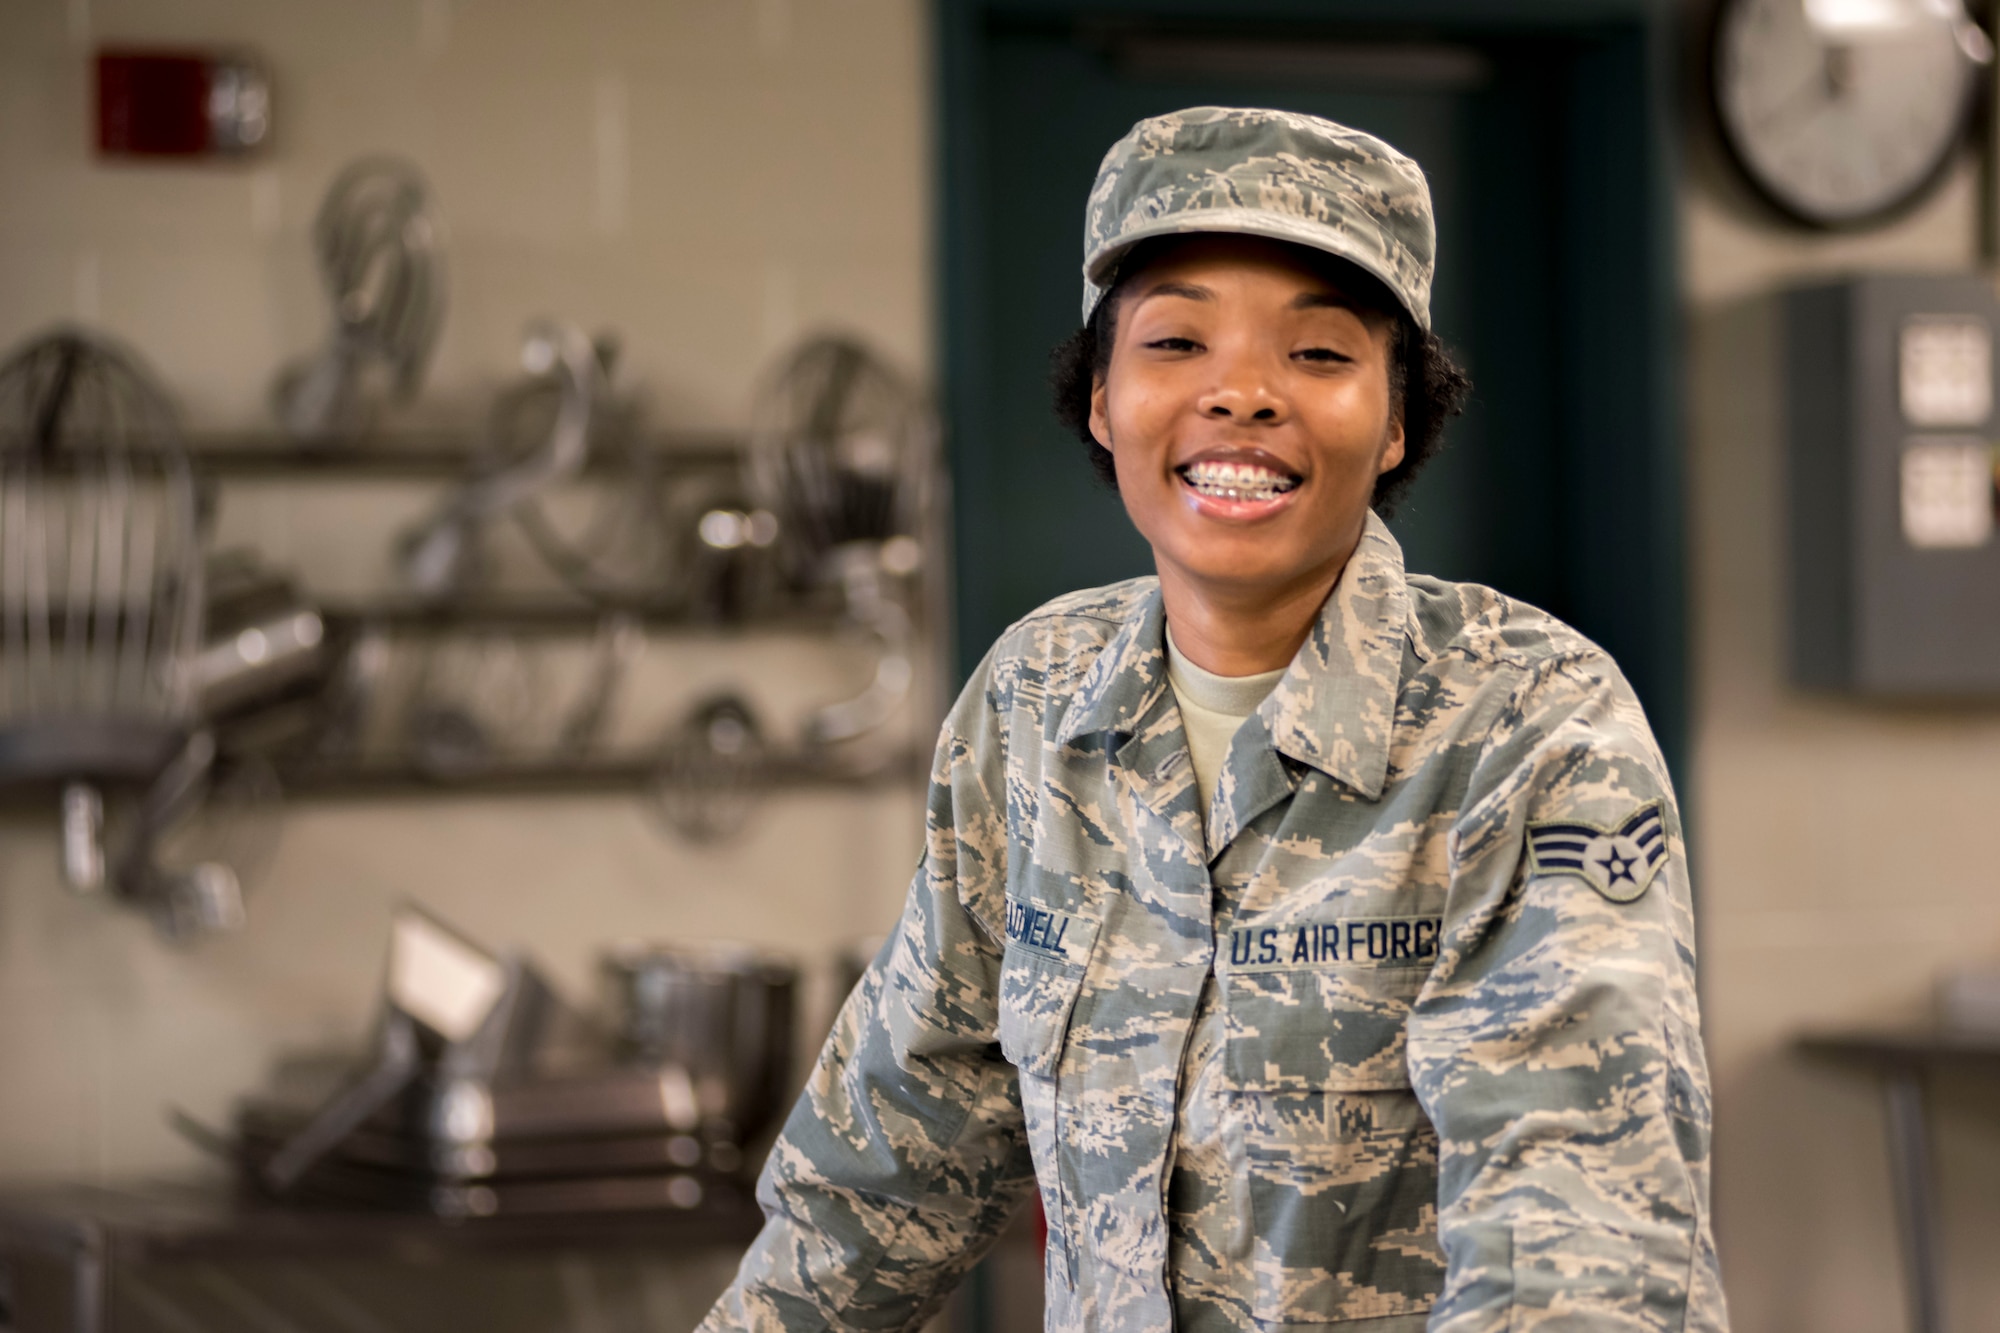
point(1405, 1040)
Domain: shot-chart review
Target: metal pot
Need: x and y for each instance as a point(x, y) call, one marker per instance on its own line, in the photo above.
point(723, 1013)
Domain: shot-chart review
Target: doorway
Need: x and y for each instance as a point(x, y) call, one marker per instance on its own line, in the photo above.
point(1541, 127)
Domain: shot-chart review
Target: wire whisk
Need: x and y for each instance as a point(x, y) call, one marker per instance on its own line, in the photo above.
point(380, 248)
point(844, 451)
point(441, 557)
point(100, 562)
point(841, 449)
point(101, 605)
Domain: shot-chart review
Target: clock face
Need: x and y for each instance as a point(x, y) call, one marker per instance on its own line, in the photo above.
point(1843, 110)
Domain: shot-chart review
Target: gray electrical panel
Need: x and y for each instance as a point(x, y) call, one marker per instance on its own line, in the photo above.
point(1895, 581)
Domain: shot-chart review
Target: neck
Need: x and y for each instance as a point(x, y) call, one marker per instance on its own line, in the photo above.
point(1234, 630)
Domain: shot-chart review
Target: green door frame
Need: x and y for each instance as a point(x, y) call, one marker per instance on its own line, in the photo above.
point(1619, 406)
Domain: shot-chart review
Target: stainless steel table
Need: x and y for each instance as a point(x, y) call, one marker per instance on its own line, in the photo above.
point(1903, 1060)
point(65, 1250)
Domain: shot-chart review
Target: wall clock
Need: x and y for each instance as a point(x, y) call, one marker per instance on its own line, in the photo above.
point(1841, 112)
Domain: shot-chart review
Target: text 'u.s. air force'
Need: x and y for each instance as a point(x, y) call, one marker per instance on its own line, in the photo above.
point(1353, 942)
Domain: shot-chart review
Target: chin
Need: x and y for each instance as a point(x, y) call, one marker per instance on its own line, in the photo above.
point(1246, 575)
point(1244, 558)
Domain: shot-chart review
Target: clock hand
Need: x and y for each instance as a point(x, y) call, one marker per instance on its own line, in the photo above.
point(1810, 91)
point(1837, 70)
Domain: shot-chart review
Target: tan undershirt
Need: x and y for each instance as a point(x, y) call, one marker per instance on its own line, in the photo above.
point(1212, 708)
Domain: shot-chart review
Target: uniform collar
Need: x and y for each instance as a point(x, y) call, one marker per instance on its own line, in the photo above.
point(1127, 678)
point(1335, 706)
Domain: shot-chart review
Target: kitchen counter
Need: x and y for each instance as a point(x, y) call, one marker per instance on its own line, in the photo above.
point(88, 1259)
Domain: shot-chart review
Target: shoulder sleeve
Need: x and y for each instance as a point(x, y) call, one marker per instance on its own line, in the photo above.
point(1556, 1047)
point(906, 1153)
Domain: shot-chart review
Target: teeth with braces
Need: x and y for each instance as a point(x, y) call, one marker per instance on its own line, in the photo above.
point(1237, 481)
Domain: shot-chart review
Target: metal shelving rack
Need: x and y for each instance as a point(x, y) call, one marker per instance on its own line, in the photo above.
point(260, 457)
point(609, 775)
point(414, 456)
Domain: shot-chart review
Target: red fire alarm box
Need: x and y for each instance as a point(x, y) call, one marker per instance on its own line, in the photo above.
point(180, 104)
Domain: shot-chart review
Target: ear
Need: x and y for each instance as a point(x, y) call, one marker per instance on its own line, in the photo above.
point(1100, 411)
point(1392, 446)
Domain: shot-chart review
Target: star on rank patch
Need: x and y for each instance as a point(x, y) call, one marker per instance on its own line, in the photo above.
point(1618, 862)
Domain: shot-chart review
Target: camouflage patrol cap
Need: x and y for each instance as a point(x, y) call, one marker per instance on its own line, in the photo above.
point(1278, 174)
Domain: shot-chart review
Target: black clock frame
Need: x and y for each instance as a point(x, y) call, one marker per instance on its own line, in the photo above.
point(1976, 96)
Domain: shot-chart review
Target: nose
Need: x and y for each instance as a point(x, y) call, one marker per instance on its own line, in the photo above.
point(1245, 391)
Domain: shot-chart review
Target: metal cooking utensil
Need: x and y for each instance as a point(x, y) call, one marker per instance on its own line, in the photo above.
point(613, 544)
point(235, 823)
point(263, 636)
point(870, 607)
point(100, 541)
point(619, 639)
point(438, 556)
point(726, 558)
point(82, 837)
point(723, 1012)
point(448, 742)
point(350, 701)
point(101, 614)
point(452, 1012)
point(259, 660)
point(380, 248)
point(475, 698)
point(189, 901)
point(705, 782)
point(843, 451)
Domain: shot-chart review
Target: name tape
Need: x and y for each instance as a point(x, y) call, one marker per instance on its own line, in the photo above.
point(1399, 941)
point(1046, 932)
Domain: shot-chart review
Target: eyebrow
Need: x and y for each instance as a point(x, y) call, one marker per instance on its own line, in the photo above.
point(1323, 301)
point(1189, 290)
point(1303, 301)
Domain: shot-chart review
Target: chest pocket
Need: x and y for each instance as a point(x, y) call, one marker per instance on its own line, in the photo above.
point(1340, 1158)
point(1041, 973)
point(1322, 1005)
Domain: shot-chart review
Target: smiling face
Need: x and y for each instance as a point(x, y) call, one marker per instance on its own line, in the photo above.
point(1247, 407)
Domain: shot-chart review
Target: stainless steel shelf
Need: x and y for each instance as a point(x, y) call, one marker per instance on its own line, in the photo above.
point(267, 456)
point(555, 614)
point(369, 778)
point(421, 456)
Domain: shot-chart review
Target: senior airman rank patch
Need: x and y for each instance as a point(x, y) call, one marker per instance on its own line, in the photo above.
point(1618, 862)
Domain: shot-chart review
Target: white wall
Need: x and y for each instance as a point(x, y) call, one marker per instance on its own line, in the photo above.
point(709, 177)
point(1845, 852)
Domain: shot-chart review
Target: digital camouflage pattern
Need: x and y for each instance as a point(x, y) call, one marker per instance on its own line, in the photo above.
point(1352, 1056)
point(1279, 174)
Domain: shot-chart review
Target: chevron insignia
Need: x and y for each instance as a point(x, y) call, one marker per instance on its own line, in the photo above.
point(1618, 862)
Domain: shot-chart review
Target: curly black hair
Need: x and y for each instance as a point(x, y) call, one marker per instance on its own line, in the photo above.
point(1428, 386)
